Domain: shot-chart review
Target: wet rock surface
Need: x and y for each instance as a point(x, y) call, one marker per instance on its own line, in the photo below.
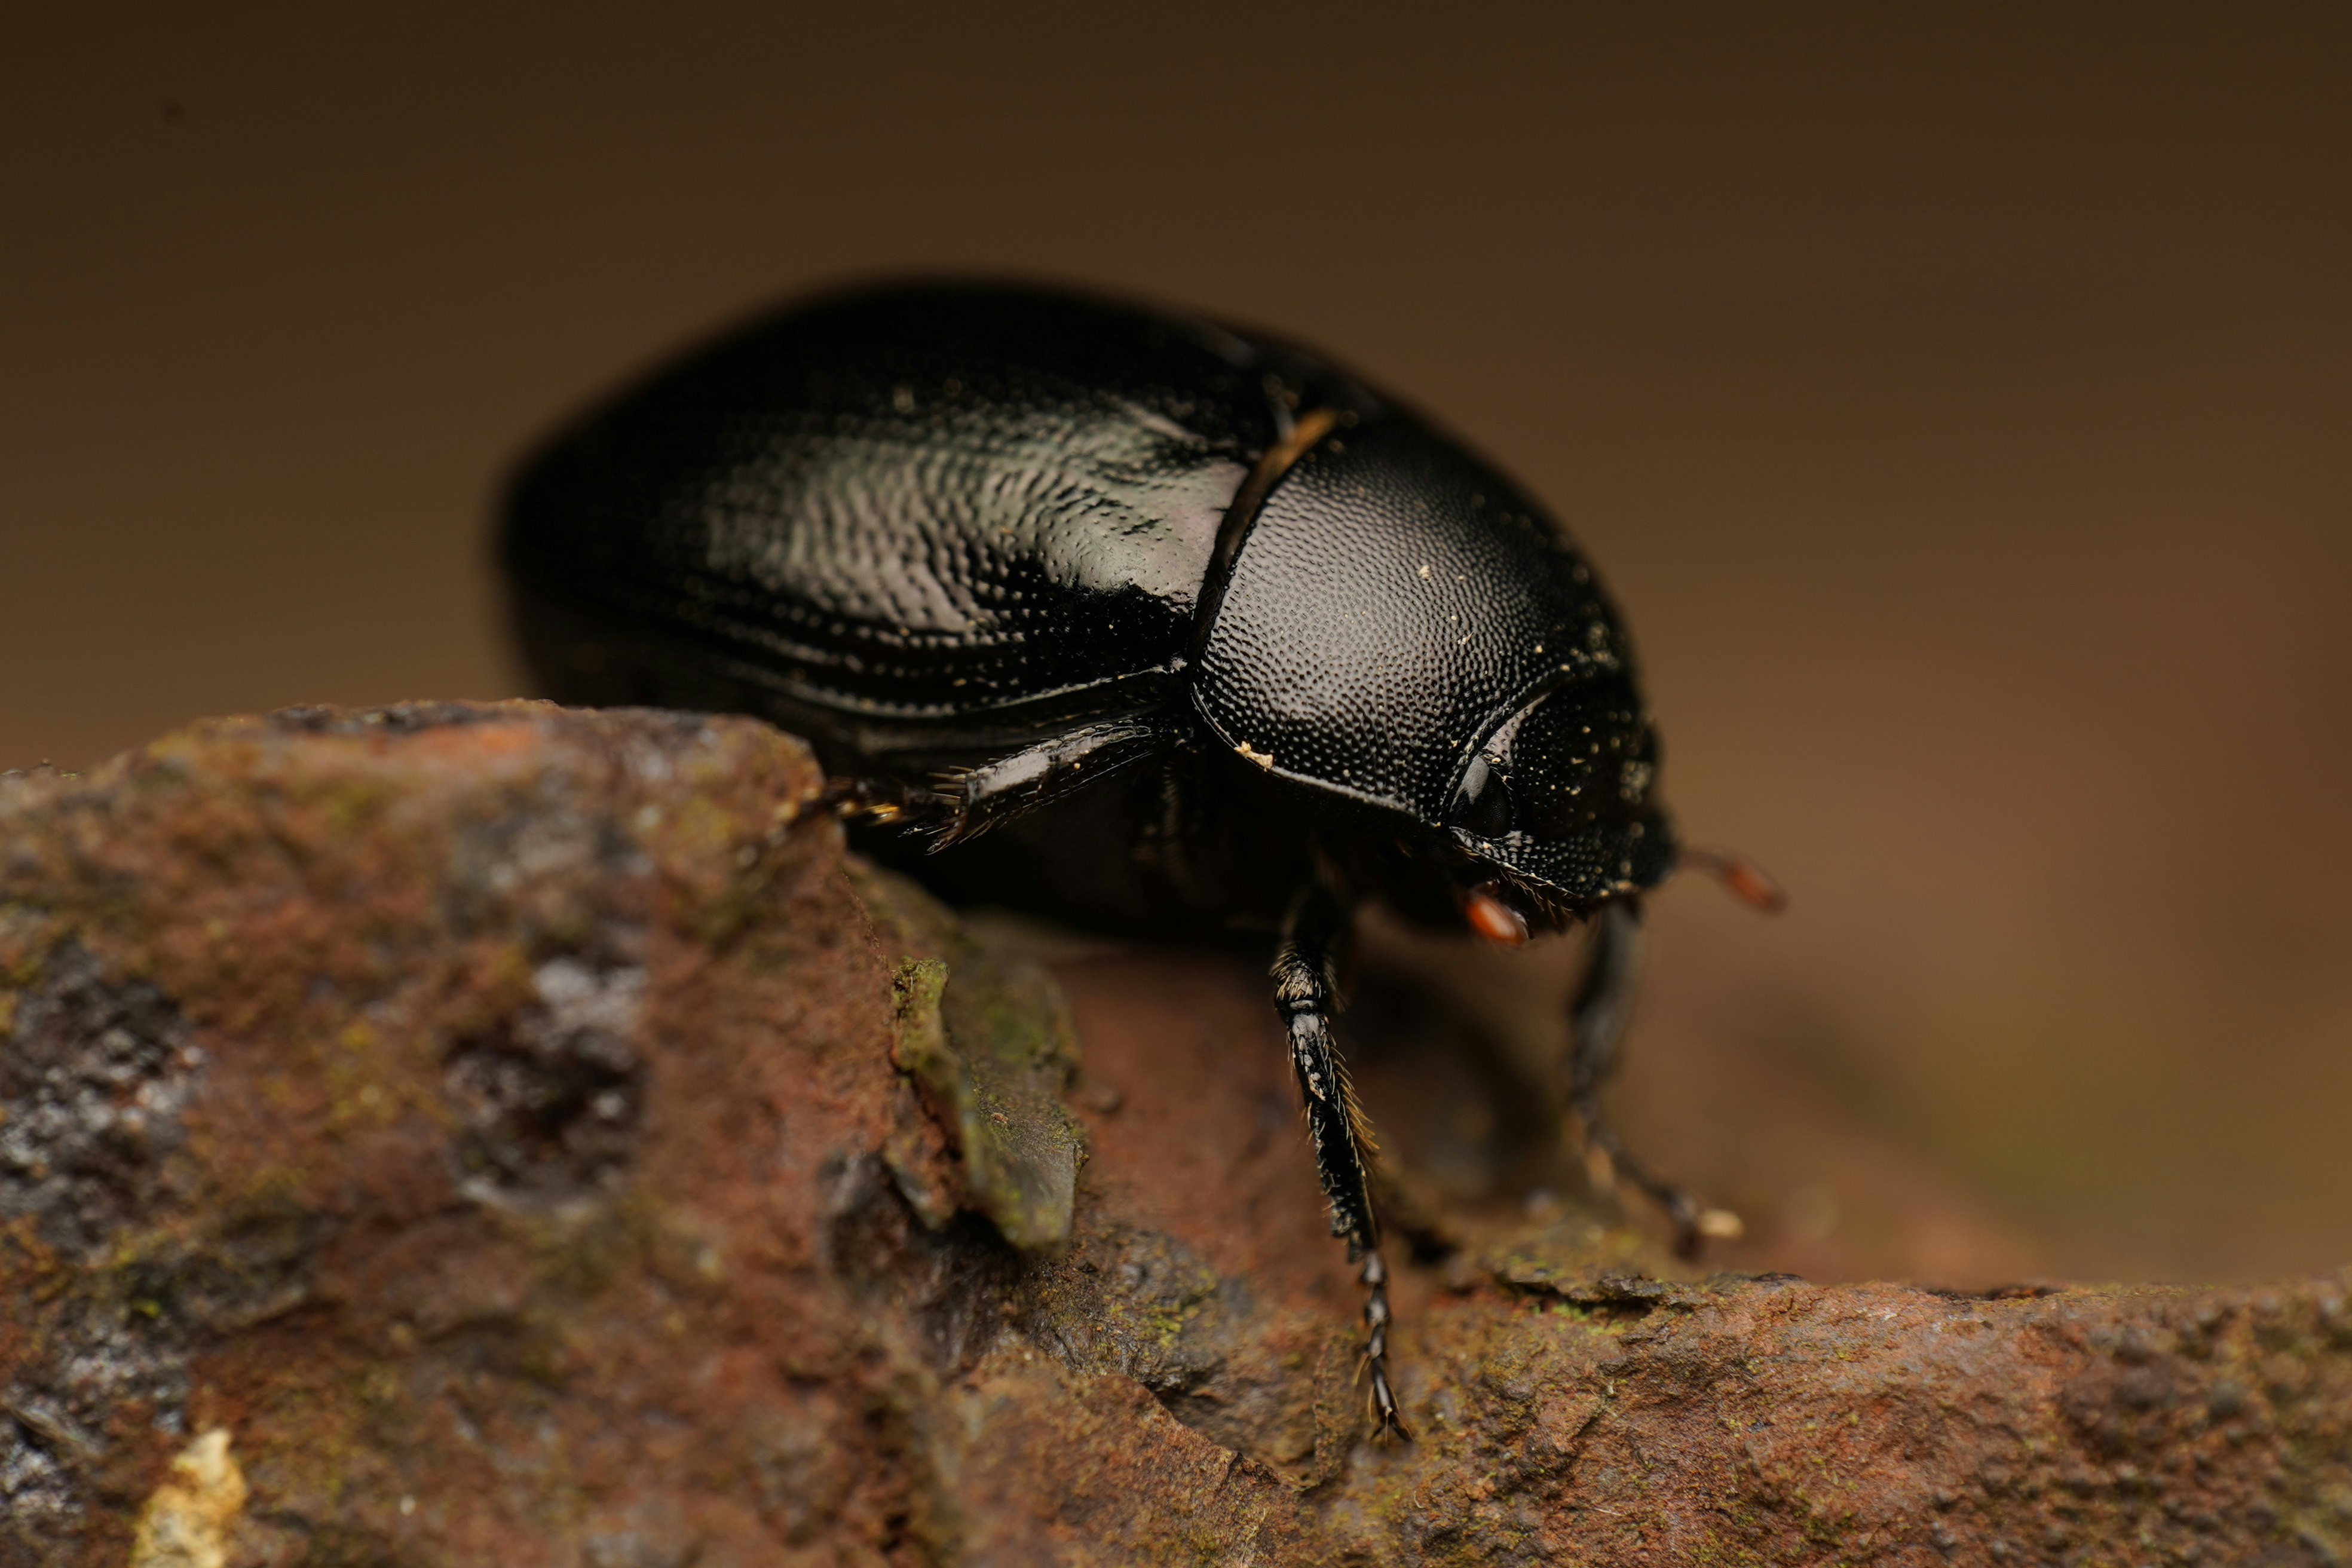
point(491, 1133)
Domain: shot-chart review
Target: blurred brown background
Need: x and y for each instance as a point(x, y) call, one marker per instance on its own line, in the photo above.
point(1958, 406)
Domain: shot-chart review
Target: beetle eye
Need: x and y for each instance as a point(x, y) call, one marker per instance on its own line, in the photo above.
point(1486, 807)
point(1572, 758)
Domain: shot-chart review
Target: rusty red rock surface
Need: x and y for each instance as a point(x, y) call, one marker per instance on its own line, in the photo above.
point(496, 1133)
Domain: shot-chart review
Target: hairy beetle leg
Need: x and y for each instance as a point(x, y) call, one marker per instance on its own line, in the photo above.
point(1305, 992)
point(1597, 1020)
point(968, 802)
point(973, 800)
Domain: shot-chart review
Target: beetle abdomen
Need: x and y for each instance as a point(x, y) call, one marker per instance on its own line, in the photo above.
point(916, 504)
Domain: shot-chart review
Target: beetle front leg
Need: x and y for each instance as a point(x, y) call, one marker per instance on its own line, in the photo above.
point(1597, 1018)
point(1305, 992)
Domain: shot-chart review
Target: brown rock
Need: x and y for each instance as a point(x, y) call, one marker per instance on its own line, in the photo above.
point(500, 1134)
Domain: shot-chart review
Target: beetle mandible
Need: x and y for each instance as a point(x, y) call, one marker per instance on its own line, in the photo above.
point(1194, 627)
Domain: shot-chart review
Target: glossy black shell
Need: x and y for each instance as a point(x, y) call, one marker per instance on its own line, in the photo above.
point(917, 504)
point(930, 523)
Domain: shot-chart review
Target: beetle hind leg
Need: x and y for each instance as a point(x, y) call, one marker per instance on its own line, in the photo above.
point(969, 800)
point(1597, 1019)
point(1305, 992)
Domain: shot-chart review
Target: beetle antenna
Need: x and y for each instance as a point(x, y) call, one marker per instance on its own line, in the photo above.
point(1741, 877)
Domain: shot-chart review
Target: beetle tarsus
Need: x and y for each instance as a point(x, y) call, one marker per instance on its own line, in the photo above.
point(1305, 992)
point(878, 800)
point(1682, 1210)
point(1375, 1281)
point(1597, 1020)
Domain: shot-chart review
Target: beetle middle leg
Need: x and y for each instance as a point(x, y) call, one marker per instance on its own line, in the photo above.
point(1597, 1018)
point(1305, 992)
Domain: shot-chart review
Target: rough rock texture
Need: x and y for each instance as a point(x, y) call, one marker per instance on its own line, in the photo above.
point(499, 1134)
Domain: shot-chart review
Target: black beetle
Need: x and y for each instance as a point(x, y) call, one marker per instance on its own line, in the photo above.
point(1264, 643)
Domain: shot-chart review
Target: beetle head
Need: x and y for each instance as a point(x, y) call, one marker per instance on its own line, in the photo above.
point(1403, 628)
point(1555, 806)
